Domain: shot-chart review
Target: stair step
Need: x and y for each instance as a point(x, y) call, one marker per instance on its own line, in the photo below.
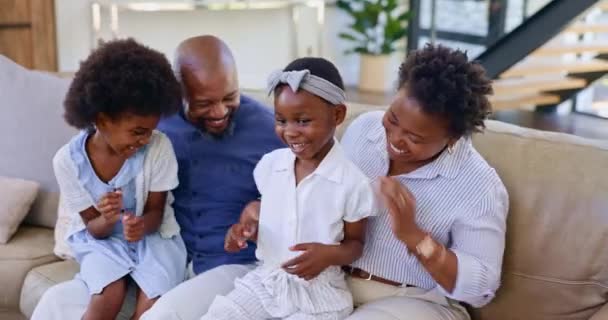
point(582, 27)
point(539, 68)
point(600, 105)
point(519, 101)
point(511, 86)
point(555, 49)
point(602, 5)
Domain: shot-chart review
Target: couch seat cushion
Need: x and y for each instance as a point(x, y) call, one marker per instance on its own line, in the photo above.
point(41, 278)
point(30, 247)
point(11, 315)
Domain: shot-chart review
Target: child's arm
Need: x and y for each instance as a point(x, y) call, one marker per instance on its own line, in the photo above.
point(135, 228)
point(100, 222)
point(351, 247)
point(317, 257)
point(245, 230)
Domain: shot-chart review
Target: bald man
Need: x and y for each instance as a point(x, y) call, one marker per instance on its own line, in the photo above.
point(218, 138)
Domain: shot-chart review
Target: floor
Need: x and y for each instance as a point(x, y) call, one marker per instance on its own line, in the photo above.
point(577, 124)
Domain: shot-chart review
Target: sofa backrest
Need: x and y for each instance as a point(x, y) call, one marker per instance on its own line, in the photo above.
point(31, 131)
point(556, 261)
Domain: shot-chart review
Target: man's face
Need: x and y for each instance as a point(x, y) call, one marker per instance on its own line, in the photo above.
point(210, 99)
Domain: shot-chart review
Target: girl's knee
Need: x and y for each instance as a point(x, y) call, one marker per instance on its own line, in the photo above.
point(112, 296)
point(118, 287)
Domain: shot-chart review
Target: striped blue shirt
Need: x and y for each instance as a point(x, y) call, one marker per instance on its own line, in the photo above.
point(460, 201)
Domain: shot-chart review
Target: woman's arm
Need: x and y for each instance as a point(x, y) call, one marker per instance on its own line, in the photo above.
point(401, 205)
point(470, 270)
point(442, 264)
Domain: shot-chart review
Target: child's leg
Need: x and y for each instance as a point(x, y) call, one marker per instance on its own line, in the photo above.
point(143, 304)
point(242, 303)
point(107, 304)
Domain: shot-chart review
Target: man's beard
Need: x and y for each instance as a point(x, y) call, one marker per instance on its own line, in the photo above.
point(228, 131)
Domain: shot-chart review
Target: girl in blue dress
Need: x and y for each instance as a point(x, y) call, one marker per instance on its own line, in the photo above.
point(116, 177)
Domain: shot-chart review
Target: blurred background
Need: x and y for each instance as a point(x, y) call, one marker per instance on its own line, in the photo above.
point(547, 56)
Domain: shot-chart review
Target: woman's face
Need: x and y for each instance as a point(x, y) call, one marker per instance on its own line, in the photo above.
point(413, 136)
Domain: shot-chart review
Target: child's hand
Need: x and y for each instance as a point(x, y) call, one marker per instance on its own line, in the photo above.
point(237, 236)
point(245, 229)
point(110, 205)
point(316, 258)
point(133, 227)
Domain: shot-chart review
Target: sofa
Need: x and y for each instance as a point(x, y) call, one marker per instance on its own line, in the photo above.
point(556, 260)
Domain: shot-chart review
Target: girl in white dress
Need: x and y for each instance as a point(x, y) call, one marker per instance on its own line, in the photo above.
point(313, 210)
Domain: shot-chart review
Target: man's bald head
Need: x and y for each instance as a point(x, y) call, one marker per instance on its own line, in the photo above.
point(206, 54)
point(206, 68)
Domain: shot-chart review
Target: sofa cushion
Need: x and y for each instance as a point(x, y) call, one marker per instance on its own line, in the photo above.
point(16, 199)
point(32, 108)
point(30, 247)
point(39, 279)
point(6, 314)
point(555, 261)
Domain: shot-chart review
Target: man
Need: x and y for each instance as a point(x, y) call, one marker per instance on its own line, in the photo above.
point(218, 139)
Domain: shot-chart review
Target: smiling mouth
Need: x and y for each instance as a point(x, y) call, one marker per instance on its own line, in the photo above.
point(217, 122)
point(395, 149)
point(297, 147)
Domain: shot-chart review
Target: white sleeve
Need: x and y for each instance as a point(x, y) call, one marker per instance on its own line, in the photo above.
point(164, 172)
point(75, 198)
point(360, 202)
point(262, 171)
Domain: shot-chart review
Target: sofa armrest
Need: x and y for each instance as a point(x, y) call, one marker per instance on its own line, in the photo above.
point(602, 314)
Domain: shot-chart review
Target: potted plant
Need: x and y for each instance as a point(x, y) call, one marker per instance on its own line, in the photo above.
point(378, 32)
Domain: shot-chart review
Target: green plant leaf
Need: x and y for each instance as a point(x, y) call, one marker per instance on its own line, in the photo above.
point(356, 50)
point(344, 5)
point(348, 36)
point(405, 16)
point(365, 20)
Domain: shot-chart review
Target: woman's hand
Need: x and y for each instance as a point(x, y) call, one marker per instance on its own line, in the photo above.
point(315, 258)
point(401, 206)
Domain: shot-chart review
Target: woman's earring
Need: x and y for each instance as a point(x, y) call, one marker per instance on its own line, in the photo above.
point(451, 149)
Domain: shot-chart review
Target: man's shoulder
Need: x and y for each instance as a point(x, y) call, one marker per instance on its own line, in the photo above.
point(173, 124)
point(255, 108)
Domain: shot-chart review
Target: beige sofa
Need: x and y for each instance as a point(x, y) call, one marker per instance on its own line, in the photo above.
point(556, 263)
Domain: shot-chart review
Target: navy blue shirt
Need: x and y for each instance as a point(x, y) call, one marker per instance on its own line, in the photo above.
point(216, 180)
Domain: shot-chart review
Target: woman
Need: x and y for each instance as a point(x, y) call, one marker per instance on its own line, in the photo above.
point(440, 240)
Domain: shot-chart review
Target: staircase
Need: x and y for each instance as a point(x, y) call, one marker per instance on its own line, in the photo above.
point(550, 55)
point(556, 71)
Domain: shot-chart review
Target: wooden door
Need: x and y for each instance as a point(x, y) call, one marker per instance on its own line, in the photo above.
point(27, 33)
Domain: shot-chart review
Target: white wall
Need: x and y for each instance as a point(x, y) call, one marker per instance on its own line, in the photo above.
point(260, 40)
